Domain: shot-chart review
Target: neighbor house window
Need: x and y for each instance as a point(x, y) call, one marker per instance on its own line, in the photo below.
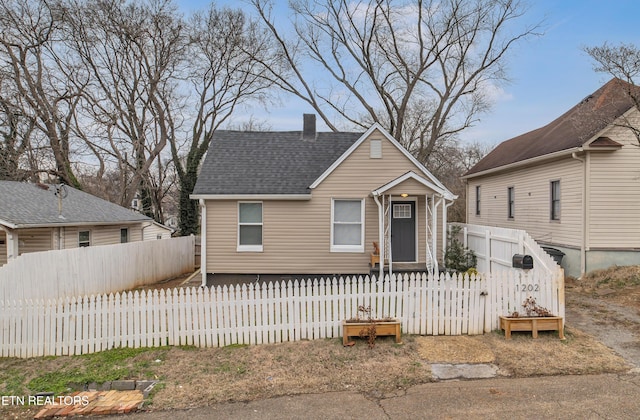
point(555, 200)
point(477, 200)
point(511, 200)
point(347, 230)
point(124, 235)
point(84, 238)
point(250, 226)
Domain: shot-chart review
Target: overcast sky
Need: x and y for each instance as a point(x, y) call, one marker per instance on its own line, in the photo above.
point(549, 74)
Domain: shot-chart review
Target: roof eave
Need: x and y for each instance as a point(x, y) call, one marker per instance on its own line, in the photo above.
point(409, 175)
point(69, 224)
point(284, 197)
point(526, 162)
point(8, 224)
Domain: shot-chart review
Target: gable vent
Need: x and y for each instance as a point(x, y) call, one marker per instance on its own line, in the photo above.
point(375, 149)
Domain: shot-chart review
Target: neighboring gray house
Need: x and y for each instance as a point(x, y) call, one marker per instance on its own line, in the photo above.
point(39, 217)
point(573, 185)
point(306, 202)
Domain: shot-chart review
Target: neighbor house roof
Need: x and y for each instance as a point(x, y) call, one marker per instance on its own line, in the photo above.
point(266, 163)
point(571, 130)
point(25, 205)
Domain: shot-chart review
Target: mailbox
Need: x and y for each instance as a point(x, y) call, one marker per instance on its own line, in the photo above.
point(523, 261)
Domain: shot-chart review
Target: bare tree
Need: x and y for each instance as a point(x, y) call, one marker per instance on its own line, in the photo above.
point(423, 69)
point(16, 132)
point(42, 86)
point(449, 162)
point(228, 55)
point(131, 54)
point(622, 62)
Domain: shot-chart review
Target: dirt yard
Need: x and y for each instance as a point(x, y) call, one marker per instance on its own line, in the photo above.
point(191, 377)
point(606, 304)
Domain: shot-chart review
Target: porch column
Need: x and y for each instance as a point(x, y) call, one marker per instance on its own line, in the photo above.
point(426, 232)
point(445, 206)
point(434, 232)
point(389, 235)
point(12, 243)
point(380, 236)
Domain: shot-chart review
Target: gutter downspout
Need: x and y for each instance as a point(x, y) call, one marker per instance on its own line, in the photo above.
point(434, 230)
point(203, 242)
point(583, 230)
point(380, 237)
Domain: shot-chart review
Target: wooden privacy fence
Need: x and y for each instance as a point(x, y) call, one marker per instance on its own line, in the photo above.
point(95, 269)
point(265, 313)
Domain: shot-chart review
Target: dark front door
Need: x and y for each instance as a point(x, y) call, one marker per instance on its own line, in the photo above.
point(403, 231)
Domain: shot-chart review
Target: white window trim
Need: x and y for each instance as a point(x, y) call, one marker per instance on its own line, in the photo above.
point(86, 230)
point(559, 199)
point(128, 235)
point(250, 248)
point(348, 248)
point(511, 198)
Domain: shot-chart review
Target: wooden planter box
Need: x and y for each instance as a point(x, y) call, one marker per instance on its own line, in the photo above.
point(533, 324)
point(352, 329)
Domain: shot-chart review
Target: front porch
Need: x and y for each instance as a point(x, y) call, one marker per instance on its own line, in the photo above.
point(412, 220)
point(402, 268)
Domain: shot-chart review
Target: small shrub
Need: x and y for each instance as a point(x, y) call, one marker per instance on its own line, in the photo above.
point(457, 257)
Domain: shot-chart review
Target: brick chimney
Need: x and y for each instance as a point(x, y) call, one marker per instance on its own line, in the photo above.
point(309, 127)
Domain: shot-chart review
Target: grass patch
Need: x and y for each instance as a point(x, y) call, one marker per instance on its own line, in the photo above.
point(75, 372)
point(12, 381)
point(614, 277)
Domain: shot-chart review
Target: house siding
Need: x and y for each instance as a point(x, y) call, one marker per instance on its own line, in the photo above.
point(532, 201)
point(100, 235)
point(297, 234)
point(614, 193)
point(152, 231)
point(34, 240)
point(64, 237)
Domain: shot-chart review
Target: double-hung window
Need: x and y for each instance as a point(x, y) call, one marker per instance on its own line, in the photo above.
point(84, 238)
point(347, 225)
point(511, 202)
point(124, 235)
point(250, 226)
point(555, 200)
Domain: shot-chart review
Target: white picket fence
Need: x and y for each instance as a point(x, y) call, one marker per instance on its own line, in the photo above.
point(265, 313)
point(95, 269)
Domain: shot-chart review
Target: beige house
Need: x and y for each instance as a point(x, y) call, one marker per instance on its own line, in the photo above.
point(314, 203)
point(39, 217)
point(573, 185)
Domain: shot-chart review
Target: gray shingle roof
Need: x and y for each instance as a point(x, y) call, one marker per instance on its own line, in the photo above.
point(572, 129)
point(25, 204)
point(241, 162)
